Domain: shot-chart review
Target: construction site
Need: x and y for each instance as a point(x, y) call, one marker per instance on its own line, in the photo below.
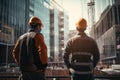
point(104, 26)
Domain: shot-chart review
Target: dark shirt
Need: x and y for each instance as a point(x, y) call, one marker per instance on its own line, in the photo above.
point(82, 48)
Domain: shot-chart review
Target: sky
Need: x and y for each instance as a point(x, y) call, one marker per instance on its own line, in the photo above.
point(74, 9)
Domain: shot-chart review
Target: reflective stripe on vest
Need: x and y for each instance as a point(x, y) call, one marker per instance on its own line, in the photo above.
point(89, 64)
point(85, 72)
point(83, 64)
point(82, 53)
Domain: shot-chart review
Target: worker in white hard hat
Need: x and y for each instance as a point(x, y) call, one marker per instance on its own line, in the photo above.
point(84, 51)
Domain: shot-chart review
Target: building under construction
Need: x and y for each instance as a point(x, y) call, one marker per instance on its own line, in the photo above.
point(107, 34)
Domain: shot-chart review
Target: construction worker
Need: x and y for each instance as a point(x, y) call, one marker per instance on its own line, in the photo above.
point(30, 52)
point(84, 53)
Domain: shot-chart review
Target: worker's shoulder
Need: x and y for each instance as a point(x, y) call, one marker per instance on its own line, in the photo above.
point(85, 38)
point(39, 35)
point(90, 38)
point(22, 36)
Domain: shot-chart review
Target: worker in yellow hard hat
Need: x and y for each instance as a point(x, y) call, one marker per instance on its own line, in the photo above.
point(81, 24)
point(84, 51)
point(30, 52)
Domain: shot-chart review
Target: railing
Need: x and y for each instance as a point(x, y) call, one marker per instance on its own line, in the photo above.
point(61, 77)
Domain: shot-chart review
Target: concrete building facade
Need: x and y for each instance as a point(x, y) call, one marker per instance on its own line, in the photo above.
point(106, 31)
point(58, 30)
point(14, 16)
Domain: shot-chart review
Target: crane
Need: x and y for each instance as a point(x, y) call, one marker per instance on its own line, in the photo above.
point(91, 15)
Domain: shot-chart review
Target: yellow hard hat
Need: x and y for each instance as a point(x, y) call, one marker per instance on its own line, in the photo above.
point(35, 20)
point(81, 23)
